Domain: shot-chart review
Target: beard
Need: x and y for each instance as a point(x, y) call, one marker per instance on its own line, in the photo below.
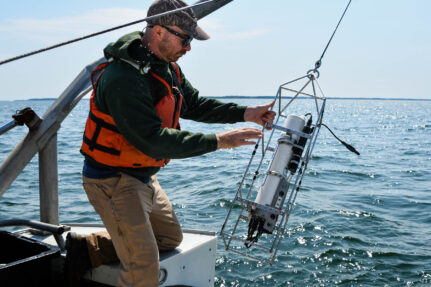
point(169, 52)
point(174, 56)
point(180, 54)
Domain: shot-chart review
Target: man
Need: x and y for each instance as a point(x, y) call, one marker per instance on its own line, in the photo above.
point(133, 130)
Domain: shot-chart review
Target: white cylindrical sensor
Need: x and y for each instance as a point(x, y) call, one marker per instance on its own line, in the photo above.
point(279, 162)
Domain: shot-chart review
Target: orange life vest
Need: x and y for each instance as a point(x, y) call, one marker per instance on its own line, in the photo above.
point(105, 144)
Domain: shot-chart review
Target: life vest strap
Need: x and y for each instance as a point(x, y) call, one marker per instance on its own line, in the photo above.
point(93, 145)
point(102, 123)
point(178, 81)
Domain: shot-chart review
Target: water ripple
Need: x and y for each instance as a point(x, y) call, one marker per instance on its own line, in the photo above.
point(358, 221)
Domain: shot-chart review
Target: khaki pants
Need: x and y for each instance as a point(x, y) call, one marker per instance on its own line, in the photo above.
point(140, 220)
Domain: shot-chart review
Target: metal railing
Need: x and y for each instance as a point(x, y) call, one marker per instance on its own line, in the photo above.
point(42, 139)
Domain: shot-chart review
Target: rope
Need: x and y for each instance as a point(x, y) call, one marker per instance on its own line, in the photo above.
point(319, 62)
point(101, 32)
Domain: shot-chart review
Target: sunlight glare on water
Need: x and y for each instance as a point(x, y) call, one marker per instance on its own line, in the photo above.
point(358, 220)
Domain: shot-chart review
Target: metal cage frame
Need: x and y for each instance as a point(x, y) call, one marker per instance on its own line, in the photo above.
point(242, 196)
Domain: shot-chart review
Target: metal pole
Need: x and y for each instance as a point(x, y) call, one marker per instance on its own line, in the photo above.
point(8, 127)
point(48, 182)
point(38, 138)
point(203, 10)
point(54, 229)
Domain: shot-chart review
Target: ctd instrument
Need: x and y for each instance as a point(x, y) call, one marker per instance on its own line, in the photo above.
point(257, 218)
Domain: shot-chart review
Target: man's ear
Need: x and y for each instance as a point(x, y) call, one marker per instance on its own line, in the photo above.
point(158, 31)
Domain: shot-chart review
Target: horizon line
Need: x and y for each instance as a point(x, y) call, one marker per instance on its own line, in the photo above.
point(261, 97)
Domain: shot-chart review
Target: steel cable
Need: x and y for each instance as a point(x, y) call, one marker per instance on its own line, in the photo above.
point(101, 32)
point(319, 62)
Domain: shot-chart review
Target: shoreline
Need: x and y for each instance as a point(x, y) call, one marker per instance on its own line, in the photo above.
point(257, 97)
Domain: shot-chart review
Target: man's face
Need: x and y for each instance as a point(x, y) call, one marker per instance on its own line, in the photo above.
point(171, 47)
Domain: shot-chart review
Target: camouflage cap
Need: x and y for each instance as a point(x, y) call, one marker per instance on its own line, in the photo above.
point(185, 19)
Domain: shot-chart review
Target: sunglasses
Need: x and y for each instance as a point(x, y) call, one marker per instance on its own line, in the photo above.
point(186, 39)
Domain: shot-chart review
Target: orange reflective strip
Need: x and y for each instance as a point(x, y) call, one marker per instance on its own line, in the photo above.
point(178, 71)
point(163, 81)
point(101, 66)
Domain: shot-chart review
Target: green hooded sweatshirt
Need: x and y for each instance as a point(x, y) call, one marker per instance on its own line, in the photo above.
point(129, 97)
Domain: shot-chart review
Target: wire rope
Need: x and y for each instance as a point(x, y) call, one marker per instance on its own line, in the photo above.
point(319, 62)
point(101, 32)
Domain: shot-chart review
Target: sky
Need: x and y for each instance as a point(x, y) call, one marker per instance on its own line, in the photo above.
point(382, 48)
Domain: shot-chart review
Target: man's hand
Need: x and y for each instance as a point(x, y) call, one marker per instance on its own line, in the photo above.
point(237, 137)
point(260, 114)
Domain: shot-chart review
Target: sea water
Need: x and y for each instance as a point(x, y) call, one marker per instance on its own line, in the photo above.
point(358, 221)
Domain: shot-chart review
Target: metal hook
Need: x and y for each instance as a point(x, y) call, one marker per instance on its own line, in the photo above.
point(313, 74)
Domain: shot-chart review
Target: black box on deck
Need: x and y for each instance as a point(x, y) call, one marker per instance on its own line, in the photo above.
point(24, 261)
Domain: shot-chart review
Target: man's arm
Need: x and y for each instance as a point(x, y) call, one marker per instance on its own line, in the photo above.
point(237, 137)
point(260, 115)
point(213, 111)
point(207, 110)
point(128, 100)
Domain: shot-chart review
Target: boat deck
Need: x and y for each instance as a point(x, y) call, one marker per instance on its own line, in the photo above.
point(190, 264)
